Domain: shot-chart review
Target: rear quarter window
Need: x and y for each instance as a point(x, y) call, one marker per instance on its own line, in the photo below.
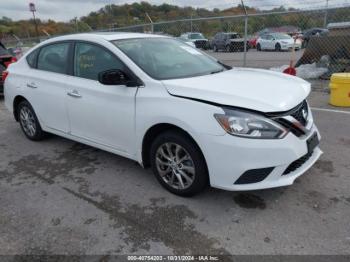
point(32, 58)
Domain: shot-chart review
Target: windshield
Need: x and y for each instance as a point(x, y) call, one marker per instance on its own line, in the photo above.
point(167, 58)
point(196, 36)
point(281, 36)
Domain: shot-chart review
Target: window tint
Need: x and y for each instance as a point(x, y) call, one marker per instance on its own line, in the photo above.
point(90, 60)
point(54, 58)
point(31, 58)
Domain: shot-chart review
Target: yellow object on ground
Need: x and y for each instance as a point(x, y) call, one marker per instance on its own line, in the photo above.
point(340, 89)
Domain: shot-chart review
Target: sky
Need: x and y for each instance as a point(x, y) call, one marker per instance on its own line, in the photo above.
point(64, 10)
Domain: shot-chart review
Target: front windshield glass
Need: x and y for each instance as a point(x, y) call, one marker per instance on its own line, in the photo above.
point(282, 36)
point(196, 36)
point(167, 58)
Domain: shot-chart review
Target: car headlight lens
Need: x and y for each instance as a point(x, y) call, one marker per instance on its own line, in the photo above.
point(249, 125)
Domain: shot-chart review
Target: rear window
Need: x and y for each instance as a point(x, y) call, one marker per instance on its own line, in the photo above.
point(54, 58)
point(32, 58)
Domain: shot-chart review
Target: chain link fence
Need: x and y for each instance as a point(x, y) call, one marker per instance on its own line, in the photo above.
point(321, 39)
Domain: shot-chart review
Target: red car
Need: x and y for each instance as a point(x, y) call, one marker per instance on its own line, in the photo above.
point(6, 58)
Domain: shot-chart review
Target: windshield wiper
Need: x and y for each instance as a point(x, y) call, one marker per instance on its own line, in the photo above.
point(217, 71)
point(224, 65)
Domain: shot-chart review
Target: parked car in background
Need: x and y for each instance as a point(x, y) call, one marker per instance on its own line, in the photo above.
point(277, 42)
point(197, 38)
point(252, 41)
point(307, 34)
point(188, 42)
point(6, 58)
point(228, 42)
point(193, 120)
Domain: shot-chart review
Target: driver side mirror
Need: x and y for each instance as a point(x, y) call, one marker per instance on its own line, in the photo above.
point(116, 77)
point(113, 77)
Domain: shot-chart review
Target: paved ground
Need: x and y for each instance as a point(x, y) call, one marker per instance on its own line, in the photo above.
point(60, 197)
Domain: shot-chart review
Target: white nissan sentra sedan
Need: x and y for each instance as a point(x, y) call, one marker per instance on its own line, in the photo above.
point(168, 106)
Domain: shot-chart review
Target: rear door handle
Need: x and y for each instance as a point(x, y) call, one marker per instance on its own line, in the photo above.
point(32, 85)
point(74, 93)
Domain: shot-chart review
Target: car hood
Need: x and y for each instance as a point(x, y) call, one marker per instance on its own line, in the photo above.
point(256, 89)
point(289, 41)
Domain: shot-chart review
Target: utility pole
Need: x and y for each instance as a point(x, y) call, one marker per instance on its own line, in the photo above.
point(150, 19)
point(326, 15)
point(76, 24)
point(33, 10)
point(191, 23)
point(245, 34)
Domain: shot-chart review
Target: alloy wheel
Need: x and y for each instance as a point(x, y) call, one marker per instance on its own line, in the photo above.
point(28, 121)
point(175, 166)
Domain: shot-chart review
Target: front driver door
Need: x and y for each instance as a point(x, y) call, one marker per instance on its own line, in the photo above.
point(103, 114)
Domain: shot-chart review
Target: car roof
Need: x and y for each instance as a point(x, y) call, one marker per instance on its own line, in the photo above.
point(108, 36)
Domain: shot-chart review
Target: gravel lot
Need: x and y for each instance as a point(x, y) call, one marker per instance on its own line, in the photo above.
point(61, 197)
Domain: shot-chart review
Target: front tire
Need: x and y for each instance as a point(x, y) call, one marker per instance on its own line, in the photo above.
point(228, 49)
point(278, 48)
point(178, 164)
point(215, 48)
point(29, 122)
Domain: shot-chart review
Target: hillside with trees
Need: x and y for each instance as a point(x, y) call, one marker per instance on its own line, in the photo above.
point(113, 16)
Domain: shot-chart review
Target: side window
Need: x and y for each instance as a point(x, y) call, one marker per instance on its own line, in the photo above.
point(54, 58)
point(90, 60)
point(31, 58)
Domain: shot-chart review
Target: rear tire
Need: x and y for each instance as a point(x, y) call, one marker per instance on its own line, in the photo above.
point(29, 122)
point(228, 49)
point(258, 47)
point(178, 164)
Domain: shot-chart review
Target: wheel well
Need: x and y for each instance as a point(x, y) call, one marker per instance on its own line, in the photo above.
point(16, 101)
point(152, 133)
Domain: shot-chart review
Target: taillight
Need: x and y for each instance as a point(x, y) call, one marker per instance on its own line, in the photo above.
point(13, 60)
point(4, 75)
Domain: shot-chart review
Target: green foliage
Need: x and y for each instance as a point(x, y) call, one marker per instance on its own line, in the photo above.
point(113, 16)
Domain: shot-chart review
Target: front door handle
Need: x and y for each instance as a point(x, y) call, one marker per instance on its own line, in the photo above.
point(74, 93)
point(32, 85)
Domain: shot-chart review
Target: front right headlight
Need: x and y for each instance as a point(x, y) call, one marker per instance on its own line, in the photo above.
point(250, 125)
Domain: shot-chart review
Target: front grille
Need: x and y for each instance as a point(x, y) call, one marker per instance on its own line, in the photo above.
point(297, 163)
point(301, 114)
point(201, 43)
point(291, 127)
